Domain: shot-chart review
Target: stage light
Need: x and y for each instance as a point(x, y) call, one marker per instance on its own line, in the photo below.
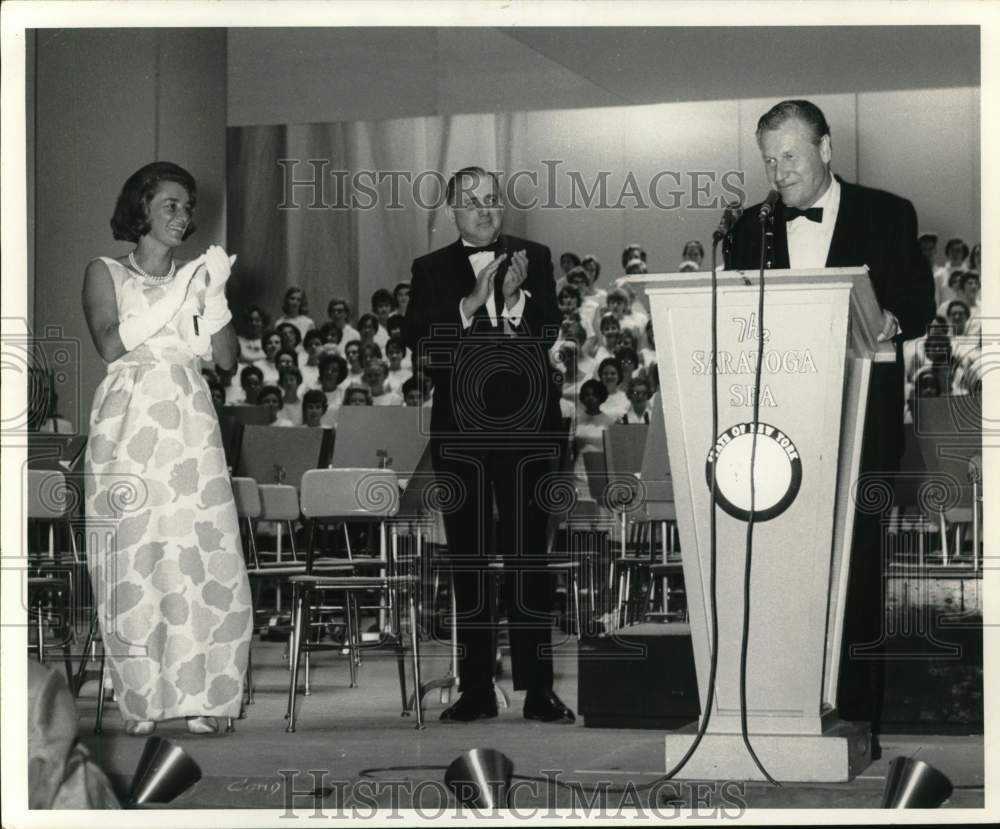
point(914, 784)
point(165, 771)
point(480, 778)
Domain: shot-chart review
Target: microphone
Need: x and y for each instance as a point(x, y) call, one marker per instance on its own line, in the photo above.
point(730, 216)
point(767, 208)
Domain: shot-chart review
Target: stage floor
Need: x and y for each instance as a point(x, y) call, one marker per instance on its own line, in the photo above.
point(355, 743)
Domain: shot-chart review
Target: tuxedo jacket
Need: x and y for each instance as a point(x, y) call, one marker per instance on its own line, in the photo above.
point(487, 381)
point(873, 228)
point(876, 229)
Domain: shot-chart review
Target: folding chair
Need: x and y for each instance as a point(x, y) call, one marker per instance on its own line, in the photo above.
point(350, 495)
point(51, 598)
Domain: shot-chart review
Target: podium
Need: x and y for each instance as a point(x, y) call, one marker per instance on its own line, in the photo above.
point(820, 329)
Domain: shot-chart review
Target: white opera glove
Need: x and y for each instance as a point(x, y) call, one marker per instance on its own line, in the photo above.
point(219, 266)
point(135, 330)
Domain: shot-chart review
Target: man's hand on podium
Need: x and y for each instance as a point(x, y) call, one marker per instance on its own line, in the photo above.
point(890, 327)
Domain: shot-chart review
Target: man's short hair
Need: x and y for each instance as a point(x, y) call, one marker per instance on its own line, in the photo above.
point(468, 172)
point(805, 111)
point(958, 303)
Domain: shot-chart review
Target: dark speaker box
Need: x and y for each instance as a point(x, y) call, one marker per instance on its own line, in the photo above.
point(639, 677)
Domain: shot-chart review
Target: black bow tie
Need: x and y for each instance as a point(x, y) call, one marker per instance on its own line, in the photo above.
point(492, 248)
point(813, 214)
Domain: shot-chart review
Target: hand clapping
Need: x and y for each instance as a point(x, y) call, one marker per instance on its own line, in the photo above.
point(516, 274)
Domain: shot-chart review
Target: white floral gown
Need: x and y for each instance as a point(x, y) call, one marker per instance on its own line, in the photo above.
point(163, 545)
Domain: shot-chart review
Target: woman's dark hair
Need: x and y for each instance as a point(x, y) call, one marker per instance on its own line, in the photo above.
point(610, 361)
point(328, 329)
point(382, 296)
point(249, 371)
point(333, 303)
point(606, 322)
point(287, 326)
point(265, 318)
point(396, 343)
point(370, 350)
point(597, 387)
point(631, 251)
point(131, 217)
point(395, 321)
point(290, 370)
point(571, 291)
point(366, 319)
point(590, 259)
point(623, 354)
point(694, 244)
point(303, 302)
point(334, 359)
point(266, 390)
point(288, 353)
point(314, 396)
point(573, 258)
point(311, 334)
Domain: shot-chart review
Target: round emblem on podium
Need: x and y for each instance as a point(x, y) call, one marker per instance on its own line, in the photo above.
point(777, 465)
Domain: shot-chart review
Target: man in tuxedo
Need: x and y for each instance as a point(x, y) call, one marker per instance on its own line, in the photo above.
point(483, 314)
point(823, 221)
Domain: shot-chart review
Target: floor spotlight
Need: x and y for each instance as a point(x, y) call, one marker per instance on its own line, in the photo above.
point(480, 778)
point(914, 784)
point(165, 771)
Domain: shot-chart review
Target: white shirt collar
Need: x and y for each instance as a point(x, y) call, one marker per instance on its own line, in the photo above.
point(829, 199)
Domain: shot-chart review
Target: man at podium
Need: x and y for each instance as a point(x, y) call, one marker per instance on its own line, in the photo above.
point(820, 220)
point(483, 314)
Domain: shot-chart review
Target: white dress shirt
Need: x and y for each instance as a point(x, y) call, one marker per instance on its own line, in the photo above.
point(478, 261)
point(808, 241)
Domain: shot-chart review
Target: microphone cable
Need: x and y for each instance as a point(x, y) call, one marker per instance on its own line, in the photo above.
point(766, 236)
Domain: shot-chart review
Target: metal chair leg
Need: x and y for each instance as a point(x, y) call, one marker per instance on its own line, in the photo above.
point(576, 605)
point(99, 722)
point(87, 653)
point(415, 645)
point(400, 653)
point(294, 651)
point(350, 634)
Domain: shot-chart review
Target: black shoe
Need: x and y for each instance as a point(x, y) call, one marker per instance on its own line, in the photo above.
point(472, 705)
point(545, 706)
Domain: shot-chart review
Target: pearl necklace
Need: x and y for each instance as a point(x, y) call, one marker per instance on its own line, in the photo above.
point(152, 280)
